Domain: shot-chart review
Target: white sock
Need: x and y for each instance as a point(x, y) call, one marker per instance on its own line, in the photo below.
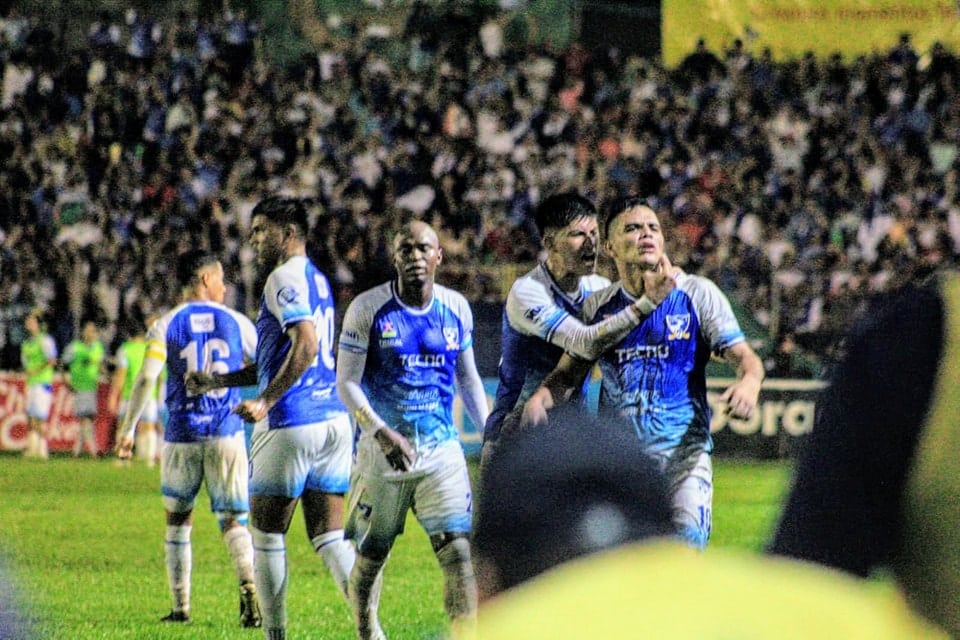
point(270, 576)
point(179, 563)
point(240, 545)
point(33, 444)
point(86, 428)
point(366, 582)
point(459, 583)
point(338, 554)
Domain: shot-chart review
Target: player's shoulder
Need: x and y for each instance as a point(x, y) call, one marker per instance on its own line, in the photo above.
point(450, 297)
point(601, 298)
point(594, 282)
point(372, 298)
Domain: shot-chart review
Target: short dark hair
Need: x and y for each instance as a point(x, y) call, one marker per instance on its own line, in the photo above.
point(284, 211)
point(617, 206)
point(575, 487)
point(560, 209)
point(189, 264)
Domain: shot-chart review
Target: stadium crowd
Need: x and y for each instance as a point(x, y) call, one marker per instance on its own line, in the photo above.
point(801, 187)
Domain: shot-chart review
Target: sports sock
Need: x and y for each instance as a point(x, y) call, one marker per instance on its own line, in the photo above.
point(240, 545)
point(366, 582)
point(179, 556)
point(89, 441)
point(270, 576)
point(338, 554)
point(459, 583)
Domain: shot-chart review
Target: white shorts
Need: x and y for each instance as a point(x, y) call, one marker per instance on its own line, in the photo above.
point(85, 404)
point(437, 488)
point(219, 462)
point(689, 473)
point(150, 412)
point(39, 400)
point(315, 457)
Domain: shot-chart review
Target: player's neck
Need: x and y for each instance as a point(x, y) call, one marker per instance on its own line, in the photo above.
point(567, 280)
point(417, 295)
point(631, 276)
point(292, 248)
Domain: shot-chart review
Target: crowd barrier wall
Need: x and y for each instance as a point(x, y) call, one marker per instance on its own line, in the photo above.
point(784, 416)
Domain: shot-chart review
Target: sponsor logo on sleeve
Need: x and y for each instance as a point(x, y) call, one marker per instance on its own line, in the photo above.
point(287, 296)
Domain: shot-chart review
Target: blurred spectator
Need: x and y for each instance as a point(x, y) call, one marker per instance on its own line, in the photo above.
point(161, 131)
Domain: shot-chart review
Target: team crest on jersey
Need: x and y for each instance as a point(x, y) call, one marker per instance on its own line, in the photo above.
point(452, 336)
point(679, 325)
point(286, 296)
point(387, 330)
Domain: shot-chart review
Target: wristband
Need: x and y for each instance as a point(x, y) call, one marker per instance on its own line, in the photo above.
point(645, 305)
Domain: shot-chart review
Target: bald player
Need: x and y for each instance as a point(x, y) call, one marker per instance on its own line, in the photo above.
point(406, 347)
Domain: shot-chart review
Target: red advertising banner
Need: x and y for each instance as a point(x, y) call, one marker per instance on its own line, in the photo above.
point(62, 426)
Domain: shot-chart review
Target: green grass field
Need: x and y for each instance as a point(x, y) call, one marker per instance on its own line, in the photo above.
point(83, 541)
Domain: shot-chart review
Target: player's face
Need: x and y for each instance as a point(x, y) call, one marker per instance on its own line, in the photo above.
point(576, 247)
point(213, 279)
point(636, 238)
point(266, 238)
point(32, 325)
point(416, 254)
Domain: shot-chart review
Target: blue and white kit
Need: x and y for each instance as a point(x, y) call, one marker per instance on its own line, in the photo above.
point(655, 379)
point(535, 309)
point(411, 358)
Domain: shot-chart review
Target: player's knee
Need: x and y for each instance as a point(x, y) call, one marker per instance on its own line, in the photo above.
point(229, 519)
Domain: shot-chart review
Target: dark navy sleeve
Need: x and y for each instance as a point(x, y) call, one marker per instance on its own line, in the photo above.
point(844, 508)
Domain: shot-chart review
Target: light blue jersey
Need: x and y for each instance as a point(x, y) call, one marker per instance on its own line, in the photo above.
point(209, 337)
point(535, 308)
point(656, 376)
point(297, 291)
point(411, 358)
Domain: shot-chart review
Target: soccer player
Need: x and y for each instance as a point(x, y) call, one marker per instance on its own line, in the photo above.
point(128, 361)
point(656, 376)
point(205, 442)
point(406, 346)
point(541, 314)
point(302, 444)
point(38, 355)
point(84, 359)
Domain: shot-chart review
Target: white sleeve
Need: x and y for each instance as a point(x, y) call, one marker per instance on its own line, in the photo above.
point(471, 388)
point(532, 311)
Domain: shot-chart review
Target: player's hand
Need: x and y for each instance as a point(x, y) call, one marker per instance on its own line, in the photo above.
point(124, 448)
point(741, 398)
point(659, 282)
point(395, 447)
point(198, 382)
point(534, 413)
point(253, 410)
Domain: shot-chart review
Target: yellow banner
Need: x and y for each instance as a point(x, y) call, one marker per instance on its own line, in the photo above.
point(792, 27)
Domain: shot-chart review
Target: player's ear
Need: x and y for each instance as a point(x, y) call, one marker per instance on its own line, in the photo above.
point(439, 255)
point(607, 248)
